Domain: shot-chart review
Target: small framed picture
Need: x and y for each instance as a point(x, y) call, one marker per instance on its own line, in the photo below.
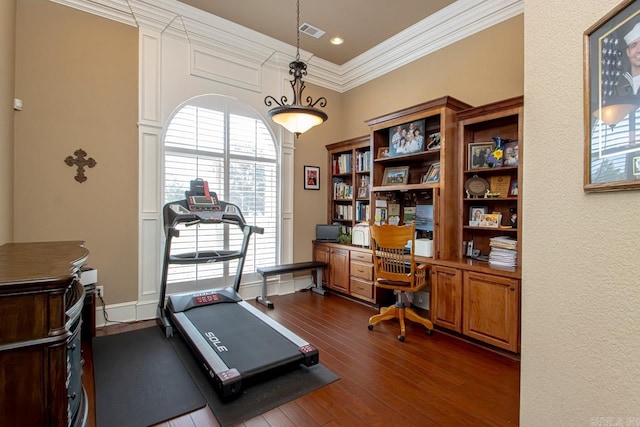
point(510, 157)
point(432, 175)
point(311, 178)
point(491, 220)
point(383, 153)
point(434, 141)
point(478, 152)
point(395, 176)
point(363, 192)
point(513, 188)
point(475, 214)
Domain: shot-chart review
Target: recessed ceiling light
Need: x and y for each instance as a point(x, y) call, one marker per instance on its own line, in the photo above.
point(337, 40)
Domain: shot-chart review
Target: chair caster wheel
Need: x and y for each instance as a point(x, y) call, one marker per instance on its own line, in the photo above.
point(370, 327)
point(429, 332)
point(401, 338)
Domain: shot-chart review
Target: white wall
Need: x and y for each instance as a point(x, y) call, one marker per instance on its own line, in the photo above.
point(580, 293)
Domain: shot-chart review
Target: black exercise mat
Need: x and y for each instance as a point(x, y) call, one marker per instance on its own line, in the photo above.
point(140, 380)
point(262, 394)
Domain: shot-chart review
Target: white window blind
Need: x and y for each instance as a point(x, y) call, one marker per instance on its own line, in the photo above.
point(228, 145)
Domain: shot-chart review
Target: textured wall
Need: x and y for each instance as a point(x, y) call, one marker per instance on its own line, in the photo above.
point(580, 292)
point(7, 67)
point(78, 77)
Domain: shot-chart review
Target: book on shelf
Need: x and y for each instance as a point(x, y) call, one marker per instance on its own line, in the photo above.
point(409, 214)
point(342, 164)
point(363, 160)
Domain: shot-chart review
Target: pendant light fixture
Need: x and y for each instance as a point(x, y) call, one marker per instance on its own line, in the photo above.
point(295, 117)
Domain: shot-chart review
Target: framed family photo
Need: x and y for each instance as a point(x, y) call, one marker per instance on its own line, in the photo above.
point(408, 138)
point(478, 153)
point(311, 178)
point(612, 99)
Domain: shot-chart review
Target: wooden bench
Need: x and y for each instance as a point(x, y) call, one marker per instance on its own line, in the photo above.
point(290, 268)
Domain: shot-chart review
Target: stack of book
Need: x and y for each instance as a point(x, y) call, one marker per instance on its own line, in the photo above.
point(504, 251)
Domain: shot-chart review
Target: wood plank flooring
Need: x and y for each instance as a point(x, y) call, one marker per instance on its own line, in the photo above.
point(425, 381)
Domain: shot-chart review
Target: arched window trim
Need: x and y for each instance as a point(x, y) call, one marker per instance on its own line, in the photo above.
point(230, 106)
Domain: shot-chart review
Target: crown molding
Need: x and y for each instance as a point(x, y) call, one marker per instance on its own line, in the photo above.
point(449, 25)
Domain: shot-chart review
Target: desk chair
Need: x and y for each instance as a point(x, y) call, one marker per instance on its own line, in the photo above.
point(396, 269)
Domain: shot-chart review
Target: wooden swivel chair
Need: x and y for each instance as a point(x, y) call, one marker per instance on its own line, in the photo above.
point(396, 269)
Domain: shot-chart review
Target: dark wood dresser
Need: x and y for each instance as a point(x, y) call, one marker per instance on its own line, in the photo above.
point(41, 303)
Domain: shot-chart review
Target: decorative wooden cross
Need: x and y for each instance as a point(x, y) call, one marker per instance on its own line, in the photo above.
point(80, 162)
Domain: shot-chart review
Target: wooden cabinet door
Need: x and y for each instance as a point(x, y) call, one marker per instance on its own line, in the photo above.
point(339, 277)
point(447, 298)
point(491, 309)
point(322, 253)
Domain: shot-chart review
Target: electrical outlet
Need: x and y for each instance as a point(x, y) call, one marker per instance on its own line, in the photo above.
point(100, 291)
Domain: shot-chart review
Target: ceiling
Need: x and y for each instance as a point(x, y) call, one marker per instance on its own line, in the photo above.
point(362, 24)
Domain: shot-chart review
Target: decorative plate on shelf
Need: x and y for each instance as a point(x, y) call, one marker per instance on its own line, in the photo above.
point(476, 186)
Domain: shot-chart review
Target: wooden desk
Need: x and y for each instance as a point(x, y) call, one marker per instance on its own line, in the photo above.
point(40, 316)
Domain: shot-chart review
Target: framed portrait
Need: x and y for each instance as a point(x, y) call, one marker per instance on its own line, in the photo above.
point(434, 141)
point(408, 138)
point(395, 176)
point(311, 178)
point(611, 103)
point(475, 214)
point(383, 153)
point(432, 175)
point(511, 154)
point(478, 152)
point(513, 188)
point(363, 192)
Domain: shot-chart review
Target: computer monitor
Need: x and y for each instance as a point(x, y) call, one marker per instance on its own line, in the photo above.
point(327, 232)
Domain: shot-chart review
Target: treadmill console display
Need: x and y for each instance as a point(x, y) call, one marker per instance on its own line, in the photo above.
point(206, 299)
point(204, 203)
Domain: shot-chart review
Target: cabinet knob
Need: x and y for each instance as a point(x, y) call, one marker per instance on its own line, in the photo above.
point(512, 288)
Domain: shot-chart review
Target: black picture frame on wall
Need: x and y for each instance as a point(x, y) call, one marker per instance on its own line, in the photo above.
point(311, 178)
point(612, 100)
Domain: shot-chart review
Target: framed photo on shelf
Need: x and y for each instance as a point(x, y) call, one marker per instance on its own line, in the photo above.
point(611, 101)
point(475, 213)
point(513, 188)
point(478, 152)
point(311, 178)
point(408, 138)
point(432, 175)
point(434, 141)
point(363, 192)
point(383, 153)
point(490, 220)
point(511, 152)
point(395, 176)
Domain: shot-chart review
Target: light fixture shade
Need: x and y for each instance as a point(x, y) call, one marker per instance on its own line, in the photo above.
point(297, 119)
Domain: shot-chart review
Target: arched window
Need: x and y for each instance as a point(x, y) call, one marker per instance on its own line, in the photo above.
point(224, 142)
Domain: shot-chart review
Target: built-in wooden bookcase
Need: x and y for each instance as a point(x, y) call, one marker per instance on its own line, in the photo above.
point(478, 125)
point(349, 181)
point(437, 120)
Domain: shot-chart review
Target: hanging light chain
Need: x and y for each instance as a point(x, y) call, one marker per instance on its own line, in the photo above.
point(298, 31)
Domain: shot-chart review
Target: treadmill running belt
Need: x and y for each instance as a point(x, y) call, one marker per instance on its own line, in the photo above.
point(251, 345)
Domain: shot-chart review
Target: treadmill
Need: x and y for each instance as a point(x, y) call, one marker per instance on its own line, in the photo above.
point(232, 340)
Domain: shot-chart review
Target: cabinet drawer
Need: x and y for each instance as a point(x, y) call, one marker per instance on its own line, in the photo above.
point(362, 289)
point(361, 270)
point(361, 256)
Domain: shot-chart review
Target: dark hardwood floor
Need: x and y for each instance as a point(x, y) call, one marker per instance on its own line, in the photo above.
point(425, 381)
